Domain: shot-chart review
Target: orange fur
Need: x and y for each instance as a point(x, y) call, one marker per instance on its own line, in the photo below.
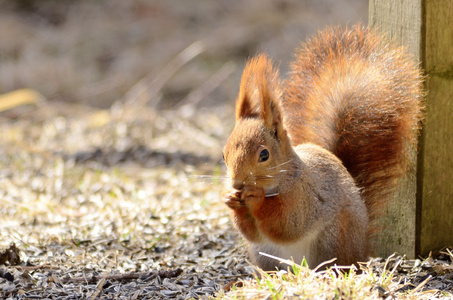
point(311, 159)
point(358, 96)
point(246, 223)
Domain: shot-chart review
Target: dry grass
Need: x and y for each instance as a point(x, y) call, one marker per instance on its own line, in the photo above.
point(94, 193)
point(377, 279)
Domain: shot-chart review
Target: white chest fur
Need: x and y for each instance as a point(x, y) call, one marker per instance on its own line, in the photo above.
point(295, 251)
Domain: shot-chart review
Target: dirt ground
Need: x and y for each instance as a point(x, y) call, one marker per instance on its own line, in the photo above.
point(111, 176)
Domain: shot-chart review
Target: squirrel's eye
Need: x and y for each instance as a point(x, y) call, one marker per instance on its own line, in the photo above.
point(264, 155)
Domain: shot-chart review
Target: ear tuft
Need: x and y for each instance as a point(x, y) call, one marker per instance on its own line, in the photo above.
point(260, 93)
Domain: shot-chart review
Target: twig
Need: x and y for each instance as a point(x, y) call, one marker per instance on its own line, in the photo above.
point(422, 284)
point(326, 263)
point(98, 288)
point(281, 260)
point(235, 276)
point(32, 268)
point(136, 294)
point(127, 276)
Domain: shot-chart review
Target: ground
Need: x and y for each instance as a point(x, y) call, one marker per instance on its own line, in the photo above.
point(110, 169)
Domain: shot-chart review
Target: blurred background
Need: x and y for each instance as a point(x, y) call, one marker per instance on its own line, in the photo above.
point(94, 52)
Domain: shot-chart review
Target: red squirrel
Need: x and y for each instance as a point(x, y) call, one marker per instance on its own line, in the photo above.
point(312, 157)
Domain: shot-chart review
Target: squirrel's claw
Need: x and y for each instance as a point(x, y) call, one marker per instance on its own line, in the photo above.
point(233, 200)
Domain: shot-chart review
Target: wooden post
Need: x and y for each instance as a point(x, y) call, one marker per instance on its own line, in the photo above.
point(421, 217)
point(435, 195)
point(400, 20)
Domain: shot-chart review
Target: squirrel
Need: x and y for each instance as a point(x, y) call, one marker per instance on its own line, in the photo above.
point(312, 158)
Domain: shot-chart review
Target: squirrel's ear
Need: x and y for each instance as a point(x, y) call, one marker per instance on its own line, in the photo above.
point(270, 94)
point(247, 104)
point(259, 94)
point(244, 105)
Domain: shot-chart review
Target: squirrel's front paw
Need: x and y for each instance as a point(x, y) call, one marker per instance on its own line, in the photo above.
point(252, 195)
point(249, 197)
point(233, 200)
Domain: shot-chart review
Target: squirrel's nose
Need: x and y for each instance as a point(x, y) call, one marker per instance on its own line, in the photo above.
point(237, 184)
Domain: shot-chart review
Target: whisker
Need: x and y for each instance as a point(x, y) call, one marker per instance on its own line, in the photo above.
point(209, 178)
point(282, 164)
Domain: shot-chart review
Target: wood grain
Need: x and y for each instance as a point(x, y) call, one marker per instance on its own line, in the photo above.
point(416, 225)
point(401, 21)
point(436, 181)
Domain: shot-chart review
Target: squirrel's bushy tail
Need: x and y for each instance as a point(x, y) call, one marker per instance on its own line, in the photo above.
point(357, 95)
